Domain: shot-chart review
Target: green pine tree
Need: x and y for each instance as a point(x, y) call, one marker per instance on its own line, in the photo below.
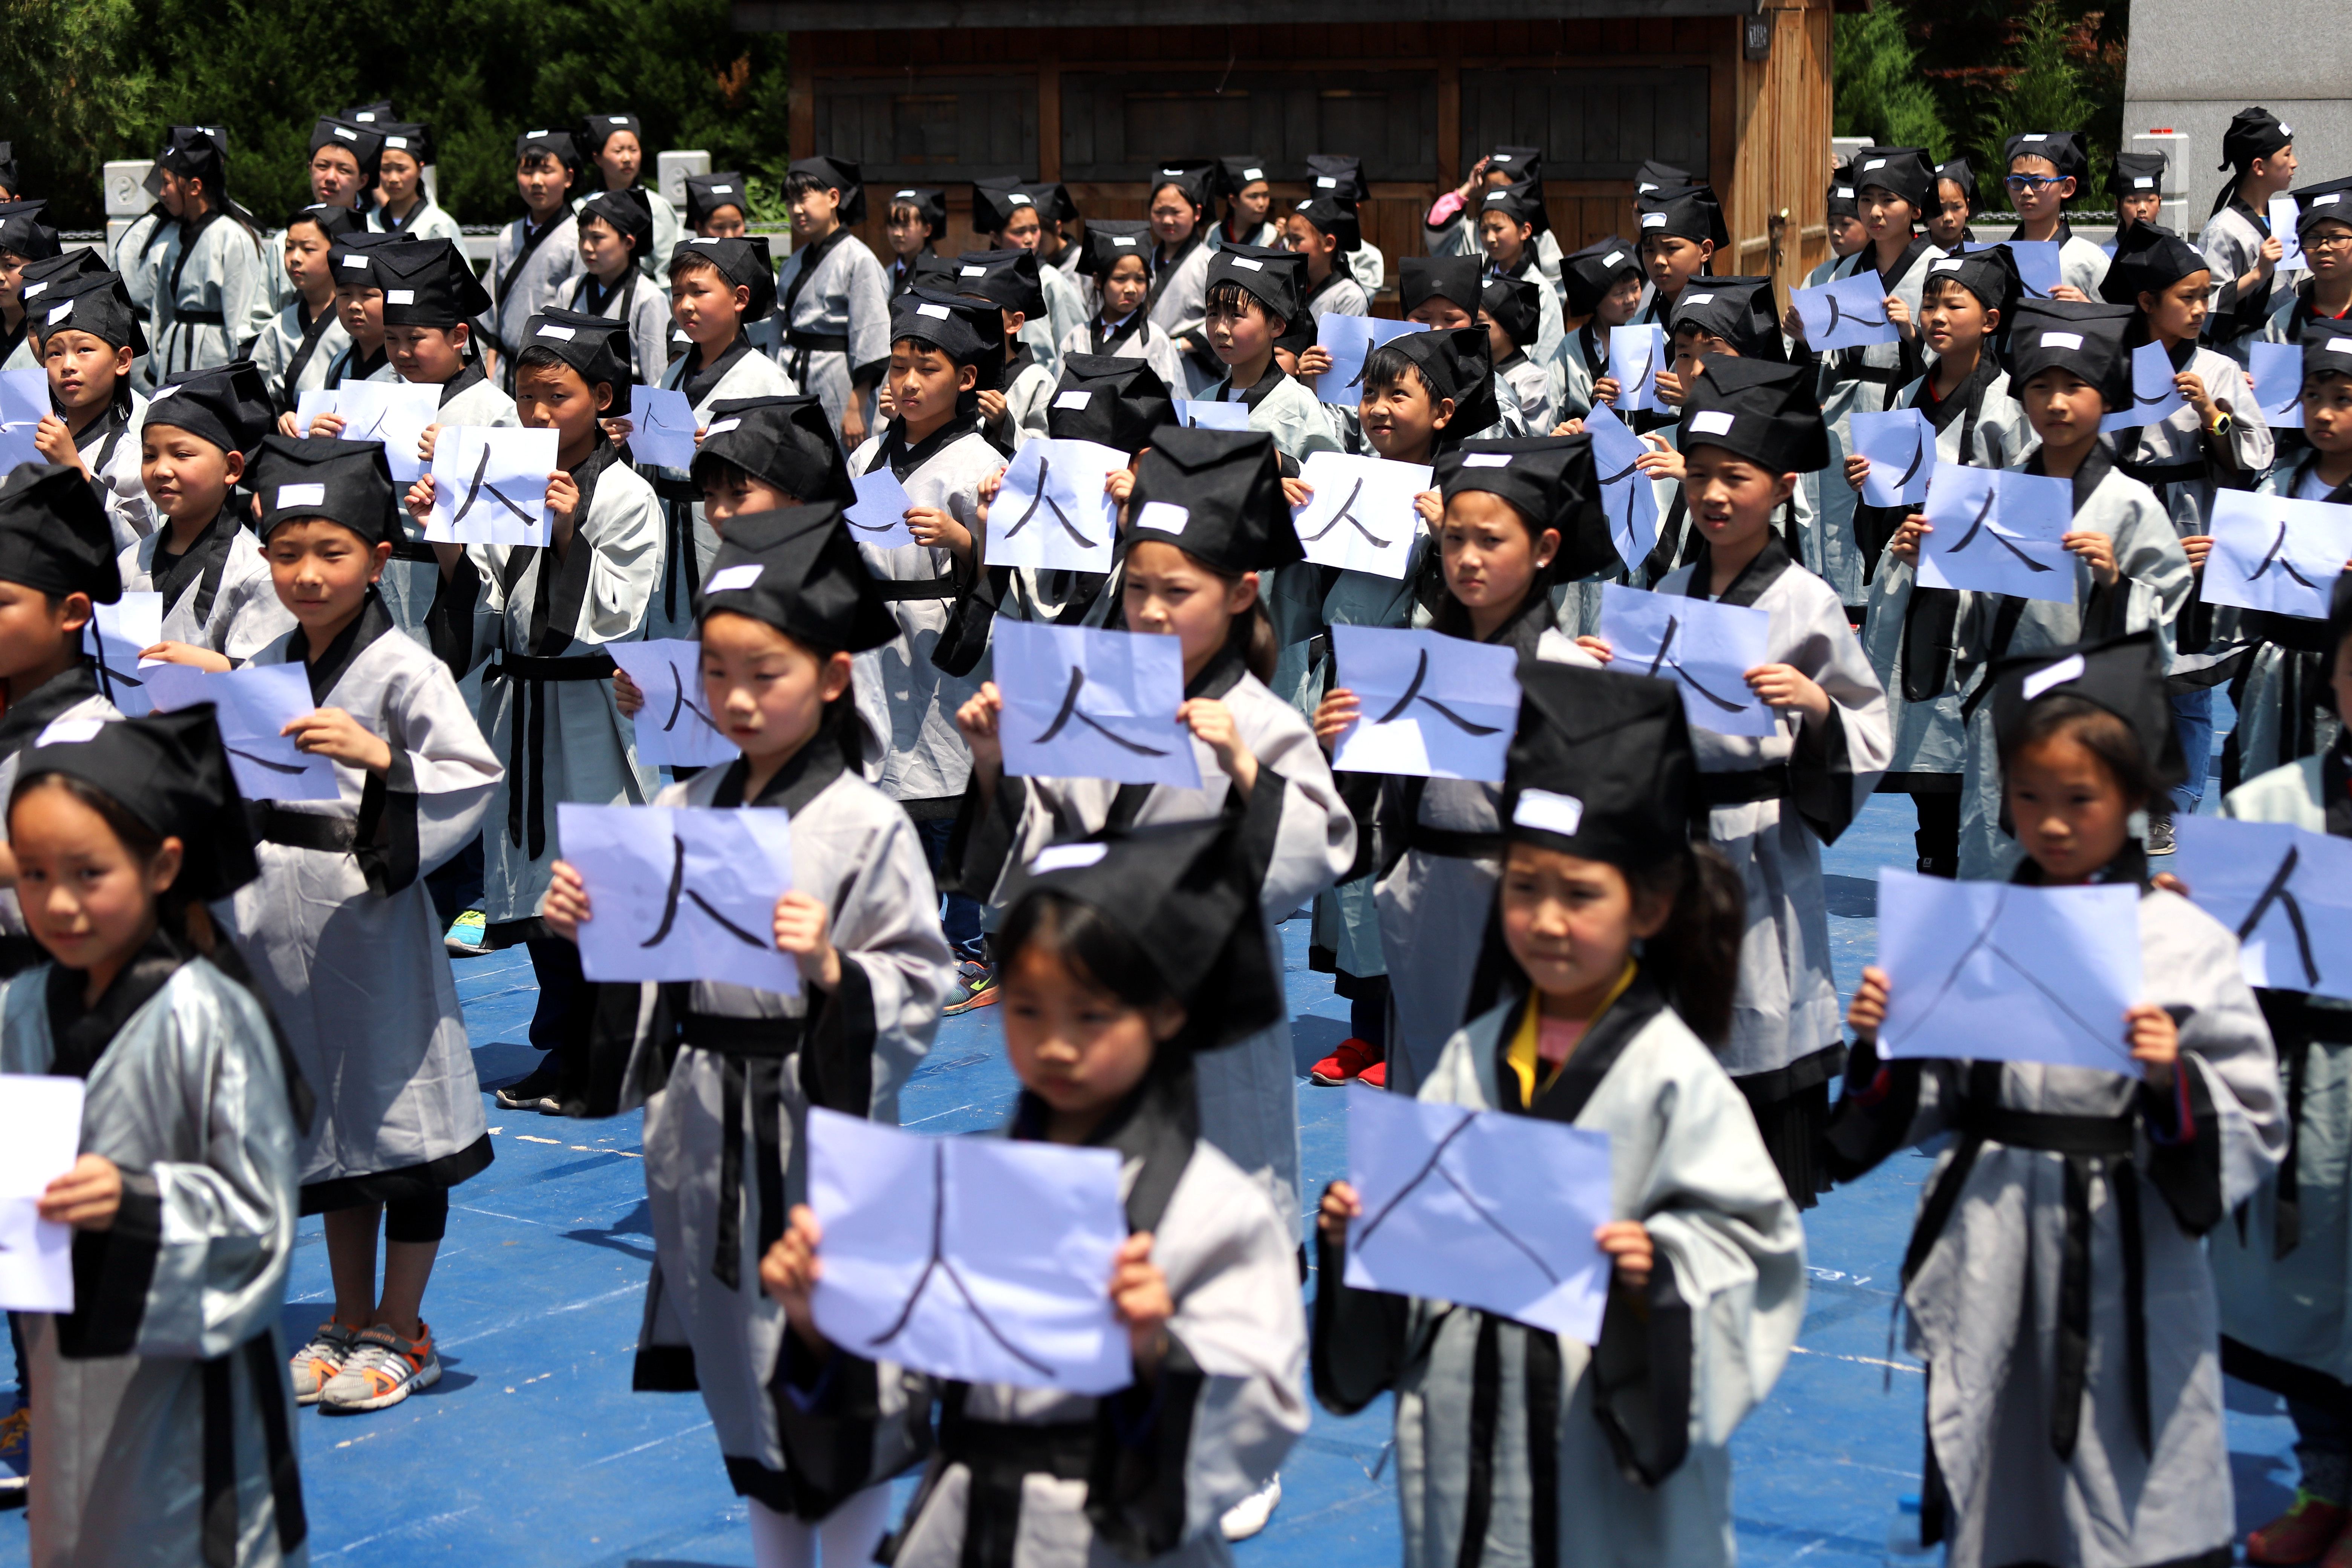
point(1876, 86)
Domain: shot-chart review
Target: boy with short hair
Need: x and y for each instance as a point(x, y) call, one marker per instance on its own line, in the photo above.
point(89, 341)
point(2136, 182)
point(302, 340)
point(1014, 414)
point(1445, 293)
point(1021, 214)
point(538, 254)
point(24, 237)
point(616, 143)
point(1252, 298)
point(1682, 233)
point(2259, 152)
point(834, 302)
point(2046, 169)
point(358, 305)
point(615, 228)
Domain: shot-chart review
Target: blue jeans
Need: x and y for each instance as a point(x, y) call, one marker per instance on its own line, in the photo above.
point(2192, 720)
point(958, 915)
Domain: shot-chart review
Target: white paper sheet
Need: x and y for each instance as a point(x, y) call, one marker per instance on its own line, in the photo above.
point(42, 1118)
point(662, 423)
point(1433, 706)
point(676, 727)
point(252, 705)
point(1486, 1209)
point(311, 402)
point(1847, 314)
point(2286, 891)
point(1998, 532)
point(2154, 397)
point(2039, 265)
point(1996, 972)
point(1348, 339)
point(1901, 447)
point(2277, 372)
point(2283, 212)
point(1053, 512)
point(1628, 496)
point(1705, 647)
point(115, 634)
point(1089, 704)
point(1361, 516)
point(682, 892)
point(23, 401)
point(1636, 354)
point(2271, 553)
point(489, 486)
point(1203, 414)
point(394, 415)
point(980, 1260)
point(878, 516)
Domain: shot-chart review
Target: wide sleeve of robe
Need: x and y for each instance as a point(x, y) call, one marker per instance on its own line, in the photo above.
point(429, 805)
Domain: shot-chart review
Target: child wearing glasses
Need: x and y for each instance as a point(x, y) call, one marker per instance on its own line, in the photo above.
point(2046, 169)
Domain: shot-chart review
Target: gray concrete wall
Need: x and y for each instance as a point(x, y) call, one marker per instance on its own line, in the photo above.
point(2195, 63)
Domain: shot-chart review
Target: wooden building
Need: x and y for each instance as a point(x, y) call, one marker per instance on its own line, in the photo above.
point(1093, 92)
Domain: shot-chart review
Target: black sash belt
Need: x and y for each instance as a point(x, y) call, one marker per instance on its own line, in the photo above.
point(2155, 474)
point(1452, 844)
point(752, 1083)
point(682, 564)
point(2296, 1026)
point(999, 1455)
point(198, 318)
point(418, 550)
point(220, 1506)
point(1744, 786)
point(2103, 1145)
point(819, 342)
point(527, 739)
point(301, 830)
point(1875, 374)
point(892, 591)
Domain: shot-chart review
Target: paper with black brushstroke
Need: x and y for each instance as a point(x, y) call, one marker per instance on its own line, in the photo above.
point(489, 485)
point(1636, 354)
point(1348, 339)
point(1997, 531)
point(2276, 370)
point(1850, 313)
point(1999, 972)
point(252, 705)
point(980, 1260)
point(1052, 511)
point(1704, 648)
point(2154, 397)
point(2285, 891)
point(2271, 553)
point(1083, 703)
point(1361, 515)
point(662, 428)
point(1628, 496)
point(681, 892)
point(114, 637)
point(1479, 1207)
point(1901, 447)
point(24, 403)
point(676, 727)
point(878, 516)
point(1433, 705)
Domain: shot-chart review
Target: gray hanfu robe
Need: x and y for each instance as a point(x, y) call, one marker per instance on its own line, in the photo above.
point(340, 932)
point(535, 626)
point(1609, 1456)
point(905, 697)
point(1438, 855)
point(2278, 667)
point(1141, 1476)
point(429, 220)
point(644, 306)
point(2152, 584)
point(1134, 338)
point(212, 296)
point(2056, 1284)
point(110, 445)
point(667, 232)
point(531, 269)
point(2232, 244)
point(1909, 631)
point(295, 350)
point(687, 534)
point(216, 595)
point(727, 1075)
point(1458, 235)
point(1530, 391)
point(1772, 804)
point(1248, 1092)
point(135, 256)
point(1862, 380)
point(1285, 409)
point(164, 1395)
point(1028, 390)
point(2171, 458)
point(2082, 265)
point(1338, 295)
point(1066, 312)
point(1179, 306)
point(1580, 359)
point(832, 311)
point(349, 365)
point(2280, 1269)
point(412, 578)
point(76, 693)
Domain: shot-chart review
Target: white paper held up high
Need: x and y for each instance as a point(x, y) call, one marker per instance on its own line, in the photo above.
point(252, 705)
point(878, 516)
point(115, 634)
point(489, 486)
point(1628, 496)
point(662, 423)
point(681, 892)
point(2271, 553)
point(1850, 313)
point(1433, 706)
point(1348, 339)
point(2284, 890)
point(1052, 511)
point(1361, 515)
point(676, 727)
point(1083, 703)
point(1901, 447)
point(1636, 354)
point(1997, 531)
point(1705, 647)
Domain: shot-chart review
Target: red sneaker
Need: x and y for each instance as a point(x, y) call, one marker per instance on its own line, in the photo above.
point(1377, 1075)
point(2300, 1534)
point(1352, 1060)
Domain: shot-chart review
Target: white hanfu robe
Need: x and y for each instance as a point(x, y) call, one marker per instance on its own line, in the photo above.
point(212, 298)
point(1134, 338)
point(1285, 409)
point(216, 595)
point(688, 541)
point(644, 306)
point(110, 447)
point(832, 311)
point(295, 350)
point(531, 269)
point(1178, 305)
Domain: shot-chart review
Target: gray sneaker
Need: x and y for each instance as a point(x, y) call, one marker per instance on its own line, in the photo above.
point(316, 1363)
point(2160, 836)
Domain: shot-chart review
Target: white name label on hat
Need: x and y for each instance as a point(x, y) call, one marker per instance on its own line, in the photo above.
point(616, 120)
point(1485, 460)
point(347, 134)
point(721, 427)
point(1613, 259)
point(1325, 183)
point(1843, 193)
point(401, 142)
point(2066, 669)
point(2061, 339)
point(1247, 265)
point(2329, 200)
point(727, 579)
point(1653, 220)
point(162, 393)
point(1949, 264)
point(1126, 239)
point(566, 334)
point(33, 289)
point(1699, 299)
point(1074, 399)
point(906, 195)
point(1067, 857)
point(2287, 130)
point(973, 272)
point(1163, 517)
point(355, 261)
point(1711, 422)
point(539, 133)
point(1547, 811)
point(703, 240)
point(1874, 163)
point(1020, 199)
point(722, 190)
point(2340, 345)
point(1502, 157)
point(1493, 197)
point(70, 732)
point(400, 296)
point(2034, 136)
point(936, 313)
point(300, 495)
point(2144, 182)
point(58, 314)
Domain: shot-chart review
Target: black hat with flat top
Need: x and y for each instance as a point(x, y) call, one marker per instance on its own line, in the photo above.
point(786, 442)
point(706, 194)
point(1217, 495)
point(1756, 409)
point(1737, 309)
point(226, 404)
point(797, 570)
point(2087, 338)
point(596, 346)
point(1601, 767)
point(347, 482)
point(842, 174)
point(427, 283)
point(2124, 675)
point(1112, 400)
point(54, 534)
point(170, 772)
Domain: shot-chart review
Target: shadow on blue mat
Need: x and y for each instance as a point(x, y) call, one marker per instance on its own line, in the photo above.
point(1312, 1038)
point(502, 1062)
point(1855, 897)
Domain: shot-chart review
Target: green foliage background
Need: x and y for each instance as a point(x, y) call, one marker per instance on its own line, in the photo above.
point(82, 82)
point(1959, 76)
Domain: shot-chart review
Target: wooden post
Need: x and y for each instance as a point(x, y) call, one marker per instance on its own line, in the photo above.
point(1779, 113)
point(1049, 108)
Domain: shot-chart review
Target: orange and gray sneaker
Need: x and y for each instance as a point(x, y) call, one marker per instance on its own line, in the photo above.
point(316, 1363)
point(1350, 1060)
point(383, 1370)
point(975, 987)
point(16, 1456)
point(2301, 1534)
